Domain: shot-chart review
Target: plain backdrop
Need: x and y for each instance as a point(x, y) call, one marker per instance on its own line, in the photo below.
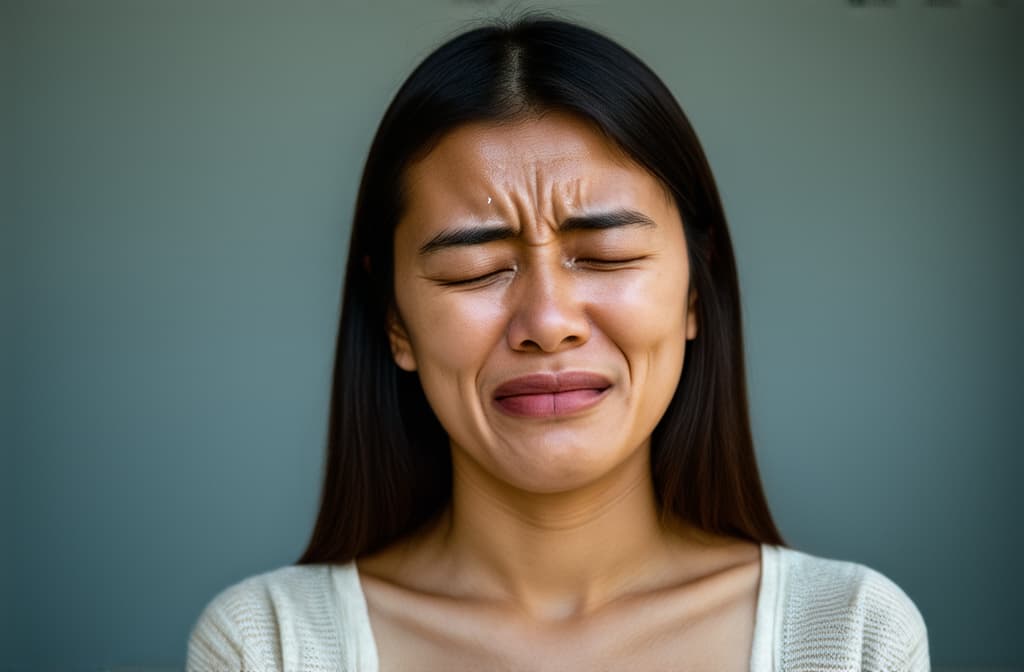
point(178, 181)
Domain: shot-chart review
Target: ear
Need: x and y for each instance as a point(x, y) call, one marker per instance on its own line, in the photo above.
point(401, 346)
point(691, 316)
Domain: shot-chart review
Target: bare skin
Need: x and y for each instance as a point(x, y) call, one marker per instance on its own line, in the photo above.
point(552, 555)
point(689, 604)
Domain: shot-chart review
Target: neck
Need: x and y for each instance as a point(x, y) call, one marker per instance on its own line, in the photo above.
point(556, 556)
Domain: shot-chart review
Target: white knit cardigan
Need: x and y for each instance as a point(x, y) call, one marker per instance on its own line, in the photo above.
point(813, 614)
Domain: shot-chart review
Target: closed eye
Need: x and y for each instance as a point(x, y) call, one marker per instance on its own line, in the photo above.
point(478, 280)
point(606, 263)
point(586, 262)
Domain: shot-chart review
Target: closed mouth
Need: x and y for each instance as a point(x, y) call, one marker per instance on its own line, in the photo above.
point(551, 393)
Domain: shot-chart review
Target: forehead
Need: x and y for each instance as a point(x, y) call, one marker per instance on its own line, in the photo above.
point(538, 167)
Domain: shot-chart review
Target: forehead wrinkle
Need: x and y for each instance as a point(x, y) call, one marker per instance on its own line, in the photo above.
point(556, 195)
point(524, 206)
point(575, 194)
point(535, 185)
point(538, 193)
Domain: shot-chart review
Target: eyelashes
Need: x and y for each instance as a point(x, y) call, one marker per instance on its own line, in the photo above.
point(569, 264)
point(478, 280)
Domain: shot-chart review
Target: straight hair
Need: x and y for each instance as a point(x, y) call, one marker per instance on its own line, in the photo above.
point(388, 470)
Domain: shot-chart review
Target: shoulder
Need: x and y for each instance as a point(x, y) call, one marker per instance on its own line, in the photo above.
point(281, 619)
point(848, 614)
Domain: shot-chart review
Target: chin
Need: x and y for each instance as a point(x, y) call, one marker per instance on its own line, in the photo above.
point(561, 469)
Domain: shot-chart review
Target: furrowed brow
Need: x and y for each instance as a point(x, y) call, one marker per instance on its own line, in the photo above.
point(606, 220)
point(464, 237)
point(480, 235)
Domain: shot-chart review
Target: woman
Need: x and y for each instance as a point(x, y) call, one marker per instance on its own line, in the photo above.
point(540, 455)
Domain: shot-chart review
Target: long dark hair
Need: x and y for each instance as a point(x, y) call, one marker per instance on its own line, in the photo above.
point(388, 467)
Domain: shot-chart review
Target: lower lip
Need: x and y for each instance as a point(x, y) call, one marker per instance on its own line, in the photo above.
point(550, 405)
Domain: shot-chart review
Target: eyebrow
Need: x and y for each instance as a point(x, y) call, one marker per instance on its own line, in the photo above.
point(480, 235)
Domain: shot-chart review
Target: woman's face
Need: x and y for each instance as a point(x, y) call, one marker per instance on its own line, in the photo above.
point(541, 286)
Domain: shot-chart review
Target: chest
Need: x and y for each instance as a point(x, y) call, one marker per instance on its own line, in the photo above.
point(658, 634)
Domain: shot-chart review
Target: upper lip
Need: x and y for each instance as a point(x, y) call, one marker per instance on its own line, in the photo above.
point(551, 382)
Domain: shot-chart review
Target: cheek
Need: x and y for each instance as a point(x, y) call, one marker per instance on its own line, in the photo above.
point(452, 336)
point(646, 322)
point(451, 332)
point(645, 312)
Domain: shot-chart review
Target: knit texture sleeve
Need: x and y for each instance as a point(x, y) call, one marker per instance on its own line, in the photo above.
point(285, 619)
point(846, 616)
point(896, 637)
point(233, 633)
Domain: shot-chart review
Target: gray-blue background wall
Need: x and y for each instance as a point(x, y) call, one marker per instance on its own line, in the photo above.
point(178, 179)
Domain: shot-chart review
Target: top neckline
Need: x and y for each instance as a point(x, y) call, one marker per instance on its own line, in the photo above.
point(360, 645)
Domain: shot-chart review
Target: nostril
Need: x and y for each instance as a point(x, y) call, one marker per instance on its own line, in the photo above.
point(530, 345)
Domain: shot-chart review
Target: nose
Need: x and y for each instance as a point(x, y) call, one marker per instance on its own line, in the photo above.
point(549, 314)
